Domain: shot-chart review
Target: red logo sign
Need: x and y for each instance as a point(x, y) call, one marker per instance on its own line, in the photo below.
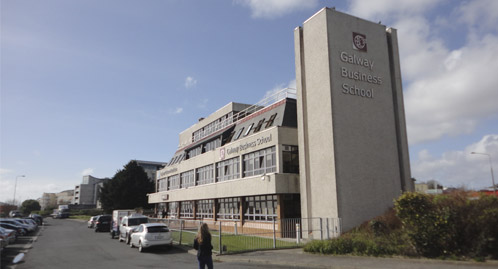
point(359, 42)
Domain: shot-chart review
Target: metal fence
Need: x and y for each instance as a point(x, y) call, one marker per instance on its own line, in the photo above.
point(232, 237)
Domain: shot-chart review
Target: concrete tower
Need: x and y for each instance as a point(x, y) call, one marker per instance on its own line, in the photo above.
point(351, 123)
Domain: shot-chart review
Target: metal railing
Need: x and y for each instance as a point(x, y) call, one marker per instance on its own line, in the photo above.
point(231, 237)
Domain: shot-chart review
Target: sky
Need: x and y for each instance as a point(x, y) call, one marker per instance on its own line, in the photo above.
point(87, 86)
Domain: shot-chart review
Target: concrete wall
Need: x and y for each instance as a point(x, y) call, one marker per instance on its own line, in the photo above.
point(353, 158)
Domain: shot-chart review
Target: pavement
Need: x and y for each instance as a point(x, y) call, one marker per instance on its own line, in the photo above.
point(297, 258)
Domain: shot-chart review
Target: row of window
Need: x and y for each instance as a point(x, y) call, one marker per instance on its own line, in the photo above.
point(216, 143)
point(255, 208)
point(254, 163)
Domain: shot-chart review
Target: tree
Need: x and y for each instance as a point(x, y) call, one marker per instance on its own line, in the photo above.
point(127, 189)
point(29, 206)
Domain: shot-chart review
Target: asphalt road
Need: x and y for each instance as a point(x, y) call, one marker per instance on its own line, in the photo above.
point(63, 243)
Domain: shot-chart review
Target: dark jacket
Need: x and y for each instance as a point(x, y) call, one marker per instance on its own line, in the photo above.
point(205, 248)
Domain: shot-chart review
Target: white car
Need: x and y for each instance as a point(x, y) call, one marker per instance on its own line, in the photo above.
point(128, 223)
point(149, 235)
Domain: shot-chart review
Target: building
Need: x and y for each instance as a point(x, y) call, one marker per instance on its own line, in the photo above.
point(65, 197)
point(151, 168)
point(48, 200)
point(336, 151)
point(239, 164)
point(351, 124)
point(87, 192)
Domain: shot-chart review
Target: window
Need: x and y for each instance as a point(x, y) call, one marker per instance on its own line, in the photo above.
point(249, 129)
point(187, 209)
point(228, 169)
point(238, 133)
point(163, 184)
point(211, 145)
point(259, 162)
point(205, 175)
point(270, 121)
point(258, 127)
point(172, 209)
point(204, 209)
point(290, 159)
point(188, 179)
point(261, 208)
point(174, 182)
point(229, 208)
point(229, 138)
point(195, 151)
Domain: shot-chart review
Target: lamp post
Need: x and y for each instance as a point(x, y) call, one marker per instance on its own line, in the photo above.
point(15, 187)
point(491, 166)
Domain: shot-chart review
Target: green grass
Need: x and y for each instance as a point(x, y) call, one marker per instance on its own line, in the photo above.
point(235, 243)
point(81, 217)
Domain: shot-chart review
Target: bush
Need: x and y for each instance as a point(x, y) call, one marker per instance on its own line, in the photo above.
point(450, 225)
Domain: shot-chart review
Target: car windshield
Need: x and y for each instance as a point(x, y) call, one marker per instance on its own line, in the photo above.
point(157, 229)
point(137, 221)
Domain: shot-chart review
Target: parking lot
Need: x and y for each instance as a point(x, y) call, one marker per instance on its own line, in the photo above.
point(63, 243)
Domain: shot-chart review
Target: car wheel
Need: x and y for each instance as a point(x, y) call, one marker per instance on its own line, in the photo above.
point(131, 245)
point(140, 247)
point(128, 239)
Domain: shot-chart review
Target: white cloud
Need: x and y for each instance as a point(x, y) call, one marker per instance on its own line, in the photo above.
point(459, 168)
point(190, 82)
point(5, 171)
point(276, 8)
point(382, 8)
point(178, 110)
point(480, 15)
point(448, 91)
point(87, 172)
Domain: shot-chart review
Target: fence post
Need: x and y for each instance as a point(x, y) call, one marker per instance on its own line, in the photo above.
point(328, 229)
point(298, 233)
point(221, 246)
point(235, 226)
point(274, 235)
point(321, 229)
point(181, 231)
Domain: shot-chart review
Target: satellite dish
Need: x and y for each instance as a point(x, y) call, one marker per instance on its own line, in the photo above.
point(18, 258)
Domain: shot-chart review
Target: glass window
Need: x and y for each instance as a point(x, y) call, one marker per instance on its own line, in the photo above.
point(270, 121)
point(187, 209)
point(172, 209)
point(259, 162)
point(261, 208)
point(238, 133)
point(174, 182)
point(188, 179)
point(229, 208)
point(290, 159)
point(258, 126)
point(204, 209)
point(227, 169)
point(205, 175)
point(249, 129)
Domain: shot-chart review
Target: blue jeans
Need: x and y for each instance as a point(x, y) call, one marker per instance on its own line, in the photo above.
point(205, 260)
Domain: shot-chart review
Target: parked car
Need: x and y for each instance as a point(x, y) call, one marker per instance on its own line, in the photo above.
point(19, 230)
point(15, 214)
point(31, 224)
point(37, 218)
point(128, 223)
point(103, 223)
point(17, 223)
point(8, 235)
point(91, 221)
point(149, 235)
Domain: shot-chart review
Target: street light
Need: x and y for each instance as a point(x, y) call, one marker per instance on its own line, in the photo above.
point(491, 166)
point(15, 187)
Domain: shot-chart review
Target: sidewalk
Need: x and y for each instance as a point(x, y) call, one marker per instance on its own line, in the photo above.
point(297, 258)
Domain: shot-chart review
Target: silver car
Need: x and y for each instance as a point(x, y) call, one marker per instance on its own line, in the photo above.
point(150, 234)
point(91, 221)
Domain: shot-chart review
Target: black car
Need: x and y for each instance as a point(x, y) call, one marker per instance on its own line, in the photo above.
point(103, 223)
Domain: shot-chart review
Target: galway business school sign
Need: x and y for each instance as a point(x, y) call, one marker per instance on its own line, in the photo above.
point(244, 146)
point(366, 72)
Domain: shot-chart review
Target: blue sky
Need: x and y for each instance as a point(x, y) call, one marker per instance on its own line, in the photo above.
point(87, 86)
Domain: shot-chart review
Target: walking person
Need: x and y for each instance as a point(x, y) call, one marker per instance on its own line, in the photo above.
point(202, 243)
